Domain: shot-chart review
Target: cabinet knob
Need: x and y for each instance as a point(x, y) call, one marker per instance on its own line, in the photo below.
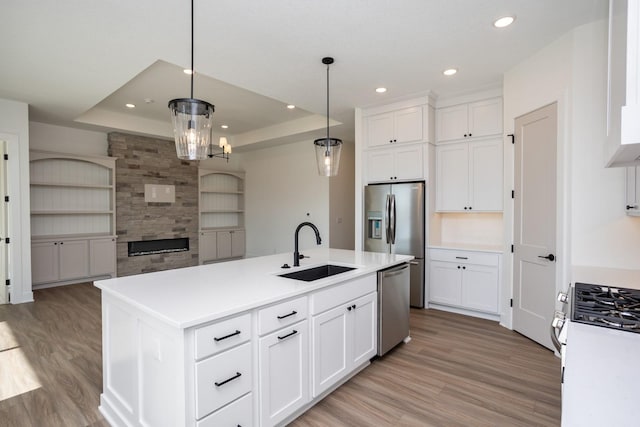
point(631, 207)
point(469, 134)
point(349, 308)
point(391, 141)
point(465, 135)
point(458, 267)
point(464, 268)
point(465, 208)
point(470, 208)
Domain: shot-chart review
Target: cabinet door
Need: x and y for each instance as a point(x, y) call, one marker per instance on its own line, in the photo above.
point(408, 125)
point(74, 259)
point(480, 288)
point(485, 175)
point(102, 257)
point(44, 262)
point(363, 329)
point(237, 243)
point(452, 177)
point(380, 165)
point(485, 117)
point(208, 246)
point(445, 282)
point(223, 244)
point(284, 373)
point(330, 362)
point(408, 162)
point(451, 123)
point(632, 206)
point(379, 129)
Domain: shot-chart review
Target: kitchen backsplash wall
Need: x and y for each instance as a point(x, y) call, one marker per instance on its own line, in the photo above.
point(140, 161)
point(485, 229)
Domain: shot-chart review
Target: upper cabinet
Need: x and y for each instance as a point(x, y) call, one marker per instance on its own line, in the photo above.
point(623, 107)
point(469, 176)
point(404, 125)
point(632, 206)
point(394, 138)
point(472, 120)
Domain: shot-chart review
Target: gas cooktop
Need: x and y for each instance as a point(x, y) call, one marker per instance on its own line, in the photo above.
point(611, 307)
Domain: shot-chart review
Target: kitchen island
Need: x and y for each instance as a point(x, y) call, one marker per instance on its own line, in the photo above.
point(233, 343)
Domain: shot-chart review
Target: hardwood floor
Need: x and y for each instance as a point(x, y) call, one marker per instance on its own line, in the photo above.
point(456, 371)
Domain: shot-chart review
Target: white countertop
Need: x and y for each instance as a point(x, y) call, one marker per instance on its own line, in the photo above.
point(190, 296)
point(606, 276)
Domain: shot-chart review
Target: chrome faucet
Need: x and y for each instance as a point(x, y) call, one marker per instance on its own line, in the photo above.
point(296, 254)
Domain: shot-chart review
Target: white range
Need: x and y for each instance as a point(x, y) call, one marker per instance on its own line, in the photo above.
point(233, 343)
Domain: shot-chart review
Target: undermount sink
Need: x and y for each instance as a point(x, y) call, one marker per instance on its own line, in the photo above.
point(316, 273)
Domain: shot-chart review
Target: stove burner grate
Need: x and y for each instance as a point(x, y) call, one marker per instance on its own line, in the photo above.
point(610, 307)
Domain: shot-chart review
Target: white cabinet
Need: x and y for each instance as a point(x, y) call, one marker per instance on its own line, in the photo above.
point(632, 206)
point(623, 84)
point(404, 125)
point(397, 163)
point(472, 120)
point(284, 372)
point(469, 176)
point(464, 279)
point(72, 217)
point(221, 207)
point(344, 337)
point(217, 245)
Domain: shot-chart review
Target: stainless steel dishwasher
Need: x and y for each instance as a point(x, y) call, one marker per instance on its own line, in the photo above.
point(393, 307)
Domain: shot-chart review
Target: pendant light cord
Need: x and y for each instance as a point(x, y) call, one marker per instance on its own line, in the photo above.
point(328, 140)
point(192, 70)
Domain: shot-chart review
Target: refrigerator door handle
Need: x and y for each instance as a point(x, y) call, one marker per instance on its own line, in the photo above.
point(387, 210)
point(393, 219)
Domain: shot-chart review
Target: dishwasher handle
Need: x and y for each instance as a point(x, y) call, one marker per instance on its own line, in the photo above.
point(395, 271)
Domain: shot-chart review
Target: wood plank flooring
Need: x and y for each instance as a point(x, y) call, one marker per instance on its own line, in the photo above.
point(456, 371)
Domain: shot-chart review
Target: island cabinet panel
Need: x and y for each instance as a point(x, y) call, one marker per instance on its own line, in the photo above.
point(238, 413)
point(344, 336)
point(284, 372)
point(221, 336)
point(281, 315)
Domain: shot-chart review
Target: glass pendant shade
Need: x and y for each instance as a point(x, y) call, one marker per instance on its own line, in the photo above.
point(192, 120)
point(328, 155)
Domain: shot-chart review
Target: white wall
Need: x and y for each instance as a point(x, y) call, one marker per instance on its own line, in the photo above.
point(282, 187)
point(61, 139)
point(593, 228)
point(14, 128)
point(342, 201)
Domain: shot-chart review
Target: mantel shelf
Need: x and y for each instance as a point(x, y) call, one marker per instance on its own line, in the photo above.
point(221, 211)
point(214, 191)
point(76, 212)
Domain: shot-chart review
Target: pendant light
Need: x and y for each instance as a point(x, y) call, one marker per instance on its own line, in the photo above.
point(328, 149)
point(192, 122)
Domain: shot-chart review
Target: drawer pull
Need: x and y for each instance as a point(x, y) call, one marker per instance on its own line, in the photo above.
point(461, 257)
point(216, 339)
point(293, 313)
point(288, 335)
point(237, 375)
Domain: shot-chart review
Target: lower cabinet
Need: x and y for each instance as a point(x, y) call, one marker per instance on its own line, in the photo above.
point(632, 200)
point(344, 338)
point(69, 260)
point(216, 245)
point(284, 372)
point(464, 279)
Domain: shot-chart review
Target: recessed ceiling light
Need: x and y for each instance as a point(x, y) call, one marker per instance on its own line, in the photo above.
point(224, 126)
point(130, 105)
point(381, 89)
point(291, 106)
point(450, 71)
point(187, 71)
point(149, 101)
point(505, 21)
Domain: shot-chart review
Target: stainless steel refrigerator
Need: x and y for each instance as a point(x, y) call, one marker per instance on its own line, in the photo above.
point(395, 223)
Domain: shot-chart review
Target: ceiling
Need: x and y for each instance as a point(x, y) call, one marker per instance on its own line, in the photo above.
point(77, 62)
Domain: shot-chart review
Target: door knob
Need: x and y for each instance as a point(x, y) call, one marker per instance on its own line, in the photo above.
point(550, 257)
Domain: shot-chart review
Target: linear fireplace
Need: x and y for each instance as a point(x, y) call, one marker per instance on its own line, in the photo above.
point(159, 246)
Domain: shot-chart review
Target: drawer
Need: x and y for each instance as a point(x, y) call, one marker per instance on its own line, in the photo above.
point(281, 315)
point(220, 336)
point(466, 257)
point(238, 413)
point(222, 379)
point(336, 295)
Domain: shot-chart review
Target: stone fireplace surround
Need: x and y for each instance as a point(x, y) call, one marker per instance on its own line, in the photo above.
point(143, 160)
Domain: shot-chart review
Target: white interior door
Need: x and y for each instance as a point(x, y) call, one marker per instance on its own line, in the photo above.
point(535, 223)
point(4, 297)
